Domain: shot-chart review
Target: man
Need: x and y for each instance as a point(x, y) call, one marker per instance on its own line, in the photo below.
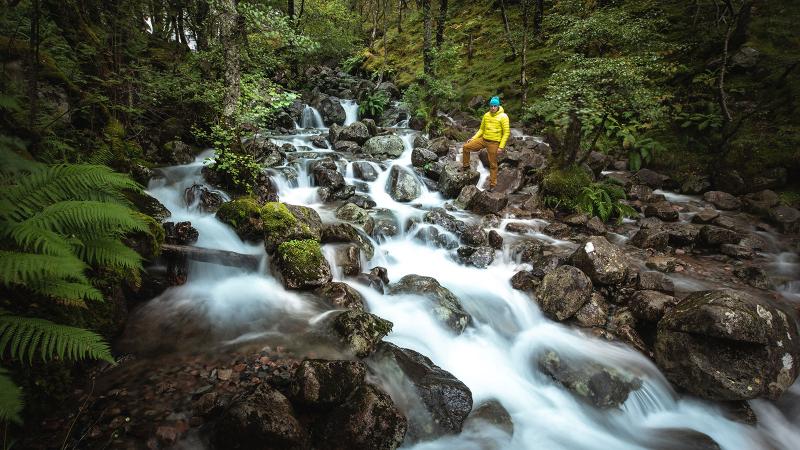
point(492, 136)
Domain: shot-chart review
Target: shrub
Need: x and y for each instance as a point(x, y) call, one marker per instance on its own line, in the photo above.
point(236, 172)
point(604, 201)
point(561, 187)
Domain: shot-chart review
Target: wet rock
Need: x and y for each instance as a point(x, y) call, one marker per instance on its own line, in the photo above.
point(422, 156)
point(595, 226)
point(403, 185)
point(576, 220)
point(149, 205)
point(447, 308)
point(480, 257)
point(381, 226)
point(728, 345)
point(650, 306)
point(432, 236)
point(601, 386)
point(328, 178)
point(364, 170)
point(362, 201)
point(650, 178)
point(347, 147)
point(714, 236)
point(495, 240)
point(526, 251)
point(662, 210)
point(345, 232)
point(438, 216)
point(563, 291)
point(177, 152)
point(682, 234)
point(557, 230)
point(301, 265)
point(358, 332)
point(244, 215)
point(352, 213)
point(205, 199)
point(464, 200)
point(695, 184)
point(474, 235)
point(679, 438)
point(440, 146)
point(384, 147)
point(760, 203)
point(509, 180)
point(452, 180)
point(722, 200)
point(786, 218)
point(526, 280)
point(650, 280)
point(181, 233)
point(264, 416)
point(446, 400)
point(640, 192)
point(420, 141)
point(321, 384)
point(369, 420)
point(486, 202)
point(493, 413)
point(356, 132)
point(655, 238)
point(666, 264)
point(340, 295)
point(593, 313)
point(319, 141)
point(602, 261)
point(737, 251)
point(754, 276)
point(705, 216)
point(329, 108)
point(348, 258)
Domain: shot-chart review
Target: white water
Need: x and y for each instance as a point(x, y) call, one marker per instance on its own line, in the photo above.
point(311, 118)
point(495, 357)
point(350, 111)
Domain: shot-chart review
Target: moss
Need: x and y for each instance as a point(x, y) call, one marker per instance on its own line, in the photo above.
point(303, 257)
point(565, 185)
point(236, 212)
point(277, 217)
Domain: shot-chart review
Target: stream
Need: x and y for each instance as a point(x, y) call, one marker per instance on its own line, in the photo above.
point(496, 355)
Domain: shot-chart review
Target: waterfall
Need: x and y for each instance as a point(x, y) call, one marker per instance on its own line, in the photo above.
point(311, 118)
point(350, 111)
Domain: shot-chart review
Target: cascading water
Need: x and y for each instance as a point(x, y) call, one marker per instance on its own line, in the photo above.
point(311, 118)
point(495, 357)
point(350, 111)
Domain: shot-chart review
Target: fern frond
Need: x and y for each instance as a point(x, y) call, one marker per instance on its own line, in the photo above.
point(31, 268)
point(30, 238)
point(11, 162)
point(55, 184)
point(87, 218)
point(67, 292)
point(109, 252)
point(24, 337)
point(10, 399)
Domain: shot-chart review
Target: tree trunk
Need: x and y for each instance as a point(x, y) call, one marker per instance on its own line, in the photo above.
point(470, 48)
point(440, 23)
point(523, 78)
point(290, 8)
point(538, 17)
point(508, 30)
point(33, 80)
point(427, 56)
point(230, 37)
point(401, 6)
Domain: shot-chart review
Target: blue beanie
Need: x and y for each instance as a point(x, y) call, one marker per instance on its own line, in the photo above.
point(495, 101)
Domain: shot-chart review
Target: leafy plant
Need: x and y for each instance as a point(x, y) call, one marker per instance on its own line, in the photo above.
point(238, 172)
point(604, 201)
point(373, 104)
point(562, 186)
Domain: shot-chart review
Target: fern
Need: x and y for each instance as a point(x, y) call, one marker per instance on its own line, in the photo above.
point(604, 201)
point(10, 399)
point(25, 337)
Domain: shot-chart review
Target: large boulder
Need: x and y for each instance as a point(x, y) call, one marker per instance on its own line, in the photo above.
point(485, 202)
point(329, 108)
point(722, 200)
point(356, 332)
point(352, 213)
point(601, 386)
point(384, 147)
point(786, 218)
point(338, 295)
point(365, 170)
point(262, 419)
point(446, 306)
point(446, 400)
point(369, 420)
point(563, 291)
point(320, 384)
point(301, 264)
point(452, 180)
point(203, 198)
point(422, 156)
point(356, 132)
point(347, 233)
point(402, 185)
point(728, 345)
point(602, 261)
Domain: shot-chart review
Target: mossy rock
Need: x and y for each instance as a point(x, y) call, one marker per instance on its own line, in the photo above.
point(245, 216)
point(283, 223)
point(565, 185)
point(147, 244)
point(302, 265)
point(358, 332)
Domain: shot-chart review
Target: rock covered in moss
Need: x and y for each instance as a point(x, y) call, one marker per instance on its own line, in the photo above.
point(244, 215)
point(384, 147)
point(319, 384)
point(301, 264)
point(284, 222)
point(728, 345)
point(356, 331)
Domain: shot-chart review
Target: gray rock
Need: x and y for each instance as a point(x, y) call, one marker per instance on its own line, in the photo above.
point(601, 386)
point(754, 276)
point(714, 236)
point(207, 200)
point(402, 185)
point(495, 240)
point(345, 232)
point(722, 200)
point(786, 218)
point(650, 280)
point(662, 210)
point(438, 216)
point(728, 345)
point(422, 156)
point(593, 313)
point(452, 180)
point(356, 132)
point(650, 178)
point(364, 170)
point(650, 306)
point(464, 200)
point(384, 147)
point(446, 305)
point(527, 250)
point(655, 238)
point(486, 202)
point(340, 295)
point(474, 235)
point(320, 384)
point(357, 332)
point(563, 292)
point(352, 213)
point(493, 413)
point(602, 261)
point(480, 257)
point(348, 258)
point(705, 216)
point(662, 263)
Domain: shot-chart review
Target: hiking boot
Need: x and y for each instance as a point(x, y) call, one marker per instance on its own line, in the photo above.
point(464, 169)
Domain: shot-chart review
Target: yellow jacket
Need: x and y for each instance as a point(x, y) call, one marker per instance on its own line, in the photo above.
point(494, 127)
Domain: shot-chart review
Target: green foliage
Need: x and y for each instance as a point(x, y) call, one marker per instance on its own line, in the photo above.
point(561, 187)
point(424, 97)
point(333, 26)
point(23, 337)
point(604, 201)
point(373, 104)
point(277, 217)
point(10, 399)
point(238, 172)
point(261, 100)
point(641, 150)
point(304, 255)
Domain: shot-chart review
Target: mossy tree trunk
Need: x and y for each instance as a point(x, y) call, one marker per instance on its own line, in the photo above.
point(230, 37)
